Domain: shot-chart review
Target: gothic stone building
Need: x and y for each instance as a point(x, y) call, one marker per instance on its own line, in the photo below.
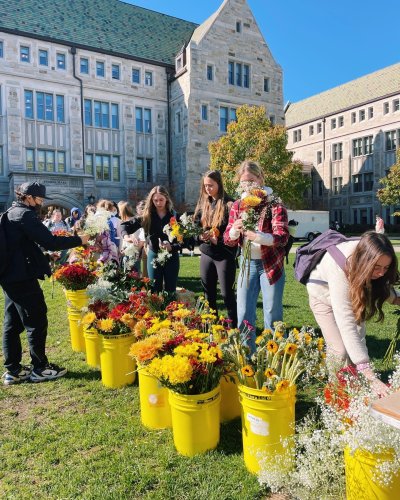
point(99, 98)
point(347, 137)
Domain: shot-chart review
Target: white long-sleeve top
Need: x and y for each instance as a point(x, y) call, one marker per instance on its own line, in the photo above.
point(336, 294)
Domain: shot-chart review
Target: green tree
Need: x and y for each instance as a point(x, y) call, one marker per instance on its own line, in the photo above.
point(390, 193)
point(253, 137)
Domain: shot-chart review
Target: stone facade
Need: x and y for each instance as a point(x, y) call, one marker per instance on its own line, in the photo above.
point(350, 146)
point(76, 160)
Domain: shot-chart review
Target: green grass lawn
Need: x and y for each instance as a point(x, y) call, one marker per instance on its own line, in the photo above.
point(73, 438)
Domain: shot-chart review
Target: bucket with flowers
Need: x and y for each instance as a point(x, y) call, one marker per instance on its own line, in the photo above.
point(115, 326)
point(187, 362)
point(267, 386)
point(75, 278)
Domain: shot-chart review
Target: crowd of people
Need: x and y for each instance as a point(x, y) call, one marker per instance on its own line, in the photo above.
point(341, 300)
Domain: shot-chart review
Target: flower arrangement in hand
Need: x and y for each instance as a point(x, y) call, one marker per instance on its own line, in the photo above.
point(184, 228)
point(254, 206)
point(280, 360)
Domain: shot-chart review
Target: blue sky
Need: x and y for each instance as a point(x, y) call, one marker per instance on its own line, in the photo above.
point(319, 43)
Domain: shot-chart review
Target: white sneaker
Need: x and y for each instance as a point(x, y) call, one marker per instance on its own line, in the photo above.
point(49, 372)
point(16, 378)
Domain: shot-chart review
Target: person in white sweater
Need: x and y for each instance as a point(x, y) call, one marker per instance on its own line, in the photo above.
point(343, 300)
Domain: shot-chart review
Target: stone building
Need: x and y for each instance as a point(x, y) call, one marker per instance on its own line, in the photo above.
point(349, 136)
point(99, 98)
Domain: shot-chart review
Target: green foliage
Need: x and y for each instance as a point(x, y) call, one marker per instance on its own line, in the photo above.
point(253, 137)
point(390, 193)
point(73, 438)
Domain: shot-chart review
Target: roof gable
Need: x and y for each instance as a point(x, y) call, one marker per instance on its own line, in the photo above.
point(108, 26)
point(362, 90)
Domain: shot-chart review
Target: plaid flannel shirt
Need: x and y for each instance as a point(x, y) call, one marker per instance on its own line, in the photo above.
point(272, 256)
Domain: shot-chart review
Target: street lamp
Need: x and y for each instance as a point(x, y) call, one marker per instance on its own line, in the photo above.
point(91, 199)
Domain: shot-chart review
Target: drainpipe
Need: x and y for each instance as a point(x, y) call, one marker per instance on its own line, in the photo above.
point(323, 157)
point(73, 52)
point(169, 138)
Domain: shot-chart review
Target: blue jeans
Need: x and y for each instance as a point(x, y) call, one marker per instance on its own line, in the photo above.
point(247, 296)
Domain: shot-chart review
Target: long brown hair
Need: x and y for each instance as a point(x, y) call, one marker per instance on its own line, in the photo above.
point(150, 209)
point(211, 217)
point(125, 210)
point(367, 295)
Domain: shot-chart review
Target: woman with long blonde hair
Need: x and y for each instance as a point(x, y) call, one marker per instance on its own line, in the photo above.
point(266, 267)
point(217, 261)
point(157, 213)
point(342, 300)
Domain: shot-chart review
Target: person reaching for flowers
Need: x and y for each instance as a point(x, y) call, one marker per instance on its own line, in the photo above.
point(259, 224)
point(343, 300)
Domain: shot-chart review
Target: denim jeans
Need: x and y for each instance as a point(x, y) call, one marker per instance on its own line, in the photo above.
point(166, 277)
point(247, 295)
point(24, 309)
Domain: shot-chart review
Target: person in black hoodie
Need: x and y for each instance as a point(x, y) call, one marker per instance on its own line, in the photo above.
point(25, 307)
point(217, 261)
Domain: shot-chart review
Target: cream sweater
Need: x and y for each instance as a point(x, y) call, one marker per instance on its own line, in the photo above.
point(336, 294)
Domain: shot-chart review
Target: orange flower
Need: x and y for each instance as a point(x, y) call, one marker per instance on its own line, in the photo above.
point(214, 232)
point(248, 371)
point(272, 346)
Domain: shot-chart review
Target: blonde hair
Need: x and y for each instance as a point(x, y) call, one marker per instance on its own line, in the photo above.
point(125, 210)
point(211, 217)
point(252, 167)
point(149, 207)
point(367, 296)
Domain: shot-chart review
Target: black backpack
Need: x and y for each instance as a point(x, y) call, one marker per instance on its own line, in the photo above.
point(3, 243)
point(310, 254)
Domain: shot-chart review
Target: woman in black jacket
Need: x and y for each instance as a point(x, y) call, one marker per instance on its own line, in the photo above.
point(24, 306)
point(157, 213)
point(217, 261)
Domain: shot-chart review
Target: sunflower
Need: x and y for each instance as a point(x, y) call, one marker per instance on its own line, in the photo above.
point(291, 349)
point(250, 202)
point(248, 371)
point(272, 346)
point(269, 372)
point(282, 386)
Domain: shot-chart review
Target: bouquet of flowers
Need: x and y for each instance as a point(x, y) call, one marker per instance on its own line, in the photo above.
point(74, 276)
point(280, 359)
point(97, 223)
point(184, 228)
point(254, 205)
point(162, 258)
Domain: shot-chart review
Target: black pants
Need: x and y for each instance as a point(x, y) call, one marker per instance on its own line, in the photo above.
point(224, 271)
point(166, 277)
point(24, 309)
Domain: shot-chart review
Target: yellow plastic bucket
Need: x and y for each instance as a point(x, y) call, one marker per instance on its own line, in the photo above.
point(76, 300)
point(361, 482)
point(92, 344)
point(117, 368)
point(230, 404)
point(155, 411)
point(265, 419)
point(195, 421)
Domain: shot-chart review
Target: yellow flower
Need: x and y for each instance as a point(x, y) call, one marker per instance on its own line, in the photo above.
point(140, 329)
point(88, 318)
point(106, 325)
point(307, 338)
point(259, 339)
point(269, 372)
point(146, 349)
point(128, 320)
point(189, 350)
point(177, 369)
point(266, 331)
point(320, 344)
point(291, 349)
point(272, 346)
point(282, 386)
point(248, 371)
point(182, 313)
point(278, 335)
point(250, 201)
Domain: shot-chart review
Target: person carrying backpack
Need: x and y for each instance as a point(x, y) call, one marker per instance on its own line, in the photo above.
point(345, 293)
point(24, 304)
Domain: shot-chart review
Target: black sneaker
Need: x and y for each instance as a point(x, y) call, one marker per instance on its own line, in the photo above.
point(49, 372)
point(10, 378)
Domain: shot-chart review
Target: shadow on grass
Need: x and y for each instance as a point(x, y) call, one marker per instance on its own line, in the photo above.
point(231, 437)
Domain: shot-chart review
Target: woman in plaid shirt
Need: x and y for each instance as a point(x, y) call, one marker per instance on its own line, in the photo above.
point(268, 242)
